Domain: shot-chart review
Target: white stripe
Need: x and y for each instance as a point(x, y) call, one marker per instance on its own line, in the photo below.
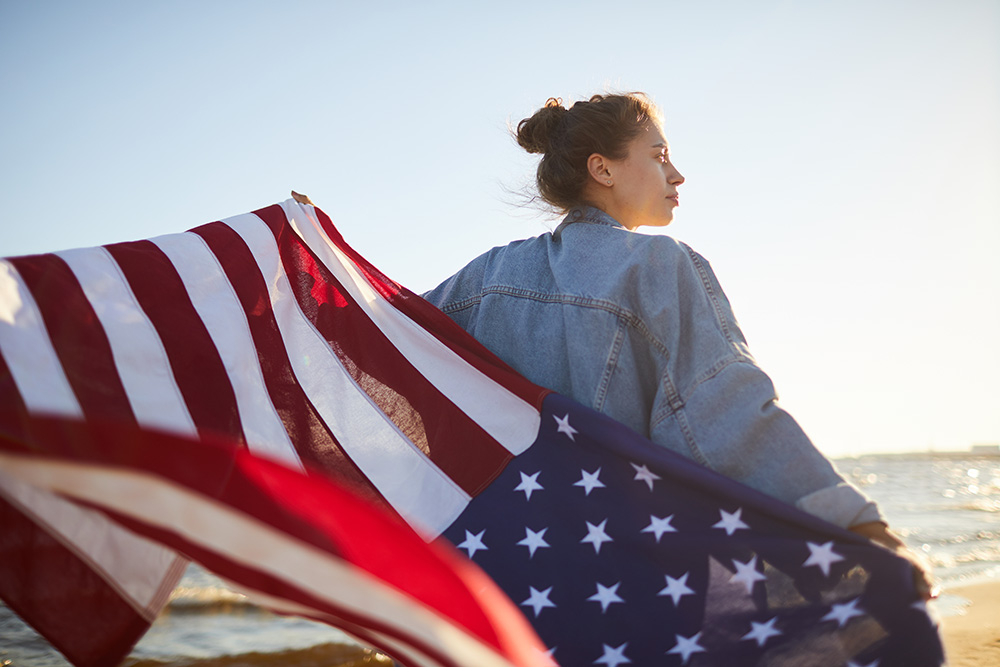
point(256, 545)
point(427, 498)
point(138, 353)
point(141, 571)
point(507, 418)
point(220, 310)
point(26, 346)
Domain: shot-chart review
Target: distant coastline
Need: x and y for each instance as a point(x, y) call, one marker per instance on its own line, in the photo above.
point(975, 451)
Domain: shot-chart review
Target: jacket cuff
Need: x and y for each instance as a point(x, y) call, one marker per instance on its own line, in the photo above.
point(842, 505)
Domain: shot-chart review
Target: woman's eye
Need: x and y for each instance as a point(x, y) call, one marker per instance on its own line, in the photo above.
point(663, 157)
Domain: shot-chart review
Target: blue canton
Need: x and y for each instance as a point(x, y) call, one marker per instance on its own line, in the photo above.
point(620, 552)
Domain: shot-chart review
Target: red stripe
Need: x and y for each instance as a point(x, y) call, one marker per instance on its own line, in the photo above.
point(77, 336)
point(311, 437)
point(197, 367)
point(448, 437)
point(58, 594)
point(14, 416)
point(363, 627)
point(48, 585)
point(307, 508)
point(436, 322)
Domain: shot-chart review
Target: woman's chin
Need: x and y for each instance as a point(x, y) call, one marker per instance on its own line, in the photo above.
point(660, 221)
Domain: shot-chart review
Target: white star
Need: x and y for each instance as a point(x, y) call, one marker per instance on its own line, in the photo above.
point(851, 663)
point(538, 600)
point(644, 474)
point(533, 540)
point(761, 632)
point(606, 595)
point(686, 646)
point(730, 522)
point(747, 573)
point(473, 543)
point(596, 535)
point(589, 481)
point(822, 556)
point(564, 427)
point(677, 588)
point(613, 656)
point(842, 613)
point(528, 484)
point(658, 526)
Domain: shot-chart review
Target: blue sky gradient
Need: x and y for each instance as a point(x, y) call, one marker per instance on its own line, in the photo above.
point(842, 159)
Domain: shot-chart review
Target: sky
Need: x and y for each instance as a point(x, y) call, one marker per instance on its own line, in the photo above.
point(842, 159)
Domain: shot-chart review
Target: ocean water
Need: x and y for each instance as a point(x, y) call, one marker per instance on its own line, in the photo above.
point(945, 506)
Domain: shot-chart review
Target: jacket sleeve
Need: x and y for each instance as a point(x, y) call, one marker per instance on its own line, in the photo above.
point(723, 409)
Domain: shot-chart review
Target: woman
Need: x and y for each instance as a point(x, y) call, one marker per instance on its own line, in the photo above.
point(636, 326)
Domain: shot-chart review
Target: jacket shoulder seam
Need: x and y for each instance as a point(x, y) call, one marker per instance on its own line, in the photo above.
point(629, 317)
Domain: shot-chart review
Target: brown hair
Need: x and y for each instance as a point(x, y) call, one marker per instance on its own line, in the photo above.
point(566, 138)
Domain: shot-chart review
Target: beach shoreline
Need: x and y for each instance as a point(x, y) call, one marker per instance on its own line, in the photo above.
point(972, 636)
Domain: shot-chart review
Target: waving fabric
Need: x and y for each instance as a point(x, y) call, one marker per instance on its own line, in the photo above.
point(255, 396)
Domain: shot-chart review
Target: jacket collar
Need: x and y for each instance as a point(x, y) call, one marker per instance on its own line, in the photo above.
point(589, 215)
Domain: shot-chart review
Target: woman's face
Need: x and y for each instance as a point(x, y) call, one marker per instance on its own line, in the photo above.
point(644, 183)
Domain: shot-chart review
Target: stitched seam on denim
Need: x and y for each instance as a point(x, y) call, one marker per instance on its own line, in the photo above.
point(467, 302)
point(681, 417)
point(692, 444)
point(610, 365)
point(674, 404)
point(712, 296)
point(715, 369)
point(674, 400)
point(571, 300)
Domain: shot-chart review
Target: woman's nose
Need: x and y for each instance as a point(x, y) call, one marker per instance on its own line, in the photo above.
point(674, 177)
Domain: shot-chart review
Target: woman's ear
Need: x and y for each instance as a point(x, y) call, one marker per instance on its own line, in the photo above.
point(599, 169)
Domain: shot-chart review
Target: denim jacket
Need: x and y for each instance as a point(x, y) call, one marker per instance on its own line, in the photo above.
point(637, 327)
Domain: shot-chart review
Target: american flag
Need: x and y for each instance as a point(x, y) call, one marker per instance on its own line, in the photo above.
point(256, 396)
point(621, 553)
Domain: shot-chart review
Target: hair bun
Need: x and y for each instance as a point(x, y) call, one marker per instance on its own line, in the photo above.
point(535, 134)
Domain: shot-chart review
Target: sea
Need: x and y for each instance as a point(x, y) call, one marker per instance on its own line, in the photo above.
point(945, 506)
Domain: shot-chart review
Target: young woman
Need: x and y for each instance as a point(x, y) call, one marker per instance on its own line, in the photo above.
point(637, 326)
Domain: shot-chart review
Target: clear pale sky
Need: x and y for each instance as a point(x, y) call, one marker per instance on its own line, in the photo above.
point(842, 159)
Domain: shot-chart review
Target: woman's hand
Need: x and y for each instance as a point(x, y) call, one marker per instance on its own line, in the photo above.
point(302, 199)
point(878, 532)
